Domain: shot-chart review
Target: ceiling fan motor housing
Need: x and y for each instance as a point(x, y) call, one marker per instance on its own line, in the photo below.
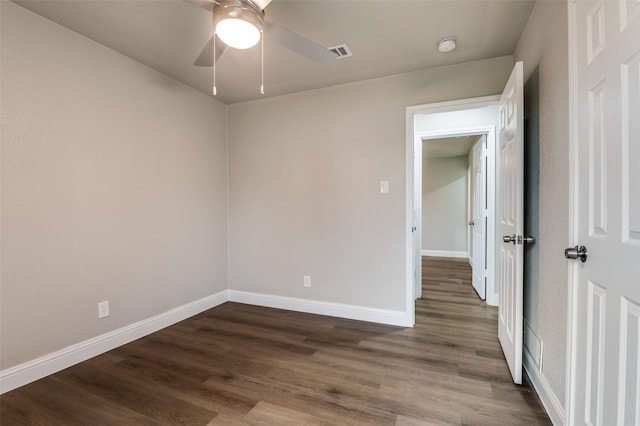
point(238, 9)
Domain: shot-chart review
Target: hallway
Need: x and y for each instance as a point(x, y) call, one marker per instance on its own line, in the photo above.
point(450, 317)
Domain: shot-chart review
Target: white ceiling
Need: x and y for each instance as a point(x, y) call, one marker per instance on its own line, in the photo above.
point(386, 38)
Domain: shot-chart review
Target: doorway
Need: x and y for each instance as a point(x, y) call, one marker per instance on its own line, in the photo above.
point(454, 202)
point(444, 122)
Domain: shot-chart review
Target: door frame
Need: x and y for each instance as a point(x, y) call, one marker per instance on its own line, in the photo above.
point(414, 186)
point(574, 214)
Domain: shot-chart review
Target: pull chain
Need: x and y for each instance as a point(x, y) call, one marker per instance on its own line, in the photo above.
point(214, 64)
point(262, 66)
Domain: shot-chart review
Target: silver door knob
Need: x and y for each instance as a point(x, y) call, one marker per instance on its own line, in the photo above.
point(576, 253)
point(509, 239)
point(529, 240)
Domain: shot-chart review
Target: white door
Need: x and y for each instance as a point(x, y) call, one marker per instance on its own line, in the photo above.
point(605, 292)
point(510, 199)
point(478, 225)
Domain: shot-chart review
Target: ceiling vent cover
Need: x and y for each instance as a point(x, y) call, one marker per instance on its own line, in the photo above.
point(342, 50)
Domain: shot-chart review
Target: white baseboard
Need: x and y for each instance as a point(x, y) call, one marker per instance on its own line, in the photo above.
point(36, 369)
point(362, 313)
point(445, 253)
point(549, 399)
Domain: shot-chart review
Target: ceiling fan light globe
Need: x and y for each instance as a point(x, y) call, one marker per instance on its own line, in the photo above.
point(238, 33)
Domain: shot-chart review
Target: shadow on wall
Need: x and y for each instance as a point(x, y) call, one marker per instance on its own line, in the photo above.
point(531, 193)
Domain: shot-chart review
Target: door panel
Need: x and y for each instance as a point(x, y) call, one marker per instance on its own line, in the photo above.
point(595, 355)
point(597, 163)
point(510, 198)
point(629, 401)
point(631, 148)
point(605, 375)
point(479, 214)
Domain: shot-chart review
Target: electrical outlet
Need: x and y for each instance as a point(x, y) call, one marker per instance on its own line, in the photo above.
point(307, 280)
point(103, 309)
point(384, 187)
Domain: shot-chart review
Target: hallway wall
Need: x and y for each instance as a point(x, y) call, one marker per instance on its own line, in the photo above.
point(444, 204)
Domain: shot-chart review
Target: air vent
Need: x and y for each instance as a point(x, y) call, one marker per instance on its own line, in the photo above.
point(342, 50)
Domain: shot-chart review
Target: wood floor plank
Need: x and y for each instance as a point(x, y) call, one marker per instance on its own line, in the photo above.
point(266, 413)
point(314, 402)
point(63, 403)
point(163, 407)
point(193, 391)
point(246, 365)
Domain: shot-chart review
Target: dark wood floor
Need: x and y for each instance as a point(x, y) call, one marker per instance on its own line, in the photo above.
point(245, 365)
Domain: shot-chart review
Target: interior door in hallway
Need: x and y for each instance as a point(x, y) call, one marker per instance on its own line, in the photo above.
point(479, 200)
point(605, 298)
point(510, 204)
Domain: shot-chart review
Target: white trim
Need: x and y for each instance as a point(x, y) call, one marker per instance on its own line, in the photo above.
point(470, 202)
point(572, 291)
point(539, 382)
point(413, 287)
point(492, 295)
point(445, 253)
point(491, 214)
point(455, 105)
point(417, 210)
point(362, 313)
point(38, 368)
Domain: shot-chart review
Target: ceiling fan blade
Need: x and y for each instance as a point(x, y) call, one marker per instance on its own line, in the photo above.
point(204, 4)
point(298, 44)
point(261, 3)
point(205, 59)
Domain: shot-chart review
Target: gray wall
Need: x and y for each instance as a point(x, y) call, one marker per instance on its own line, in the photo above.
point(113, 187)
point(544, 45)
point(304, 179)
point(444, 203)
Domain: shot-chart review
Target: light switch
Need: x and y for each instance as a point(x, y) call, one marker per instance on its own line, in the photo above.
point(384, 187)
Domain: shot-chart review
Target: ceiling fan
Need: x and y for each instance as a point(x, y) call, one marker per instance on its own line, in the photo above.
point(240, 24)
